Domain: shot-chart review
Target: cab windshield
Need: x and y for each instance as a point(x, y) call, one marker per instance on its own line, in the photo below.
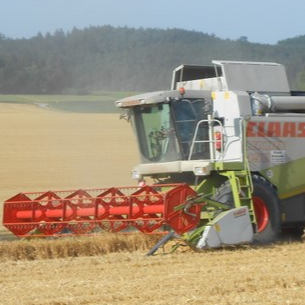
point(156, 133)
point(165, 131)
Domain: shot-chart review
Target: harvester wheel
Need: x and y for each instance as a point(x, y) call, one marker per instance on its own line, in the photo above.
point(266, 208)
point(224, 194)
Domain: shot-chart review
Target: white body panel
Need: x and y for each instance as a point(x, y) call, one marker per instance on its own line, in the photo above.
point(231, 106)
point(254, 76)
point(272, 141)
point(242, 76)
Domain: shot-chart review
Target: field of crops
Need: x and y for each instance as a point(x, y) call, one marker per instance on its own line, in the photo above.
point(273, 275)
point(43, 149)
point(97, 102)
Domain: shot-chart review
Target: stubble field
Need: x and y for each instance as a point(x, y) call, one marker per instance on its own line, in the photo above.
point(42, 150)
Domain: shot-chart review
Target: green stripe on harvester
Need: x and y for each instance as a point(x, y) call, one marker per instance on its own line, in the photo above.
point(289, 178)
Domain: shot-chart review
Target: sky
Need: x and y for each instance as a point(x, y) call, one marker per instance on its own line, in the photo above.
point(261, 21)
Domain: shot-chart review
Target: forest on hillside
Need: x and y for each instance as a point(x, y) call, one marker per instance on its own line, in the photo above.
point(127, 59)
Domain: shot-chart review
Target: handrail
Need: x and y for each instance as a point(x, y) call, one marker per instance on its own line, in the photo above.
point(211, 138)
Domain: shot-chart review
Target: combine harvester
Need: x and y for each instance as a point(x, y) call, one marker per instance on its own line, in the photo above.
point(224, 151)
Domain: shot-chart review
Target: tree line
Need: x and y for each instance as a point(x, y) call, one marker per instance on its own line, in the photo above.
point(127, 59)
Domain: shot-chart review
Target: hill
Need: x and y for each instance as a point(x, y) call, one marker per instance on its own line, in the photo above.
point(126, 59)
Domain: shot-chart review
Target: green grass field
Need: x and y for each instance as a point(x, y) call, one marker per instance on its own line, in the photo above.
point(95, 102)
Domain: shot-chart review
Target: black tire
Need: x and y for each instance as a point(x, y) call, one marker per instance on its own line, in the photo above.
point(224, 194)
point(266, 206)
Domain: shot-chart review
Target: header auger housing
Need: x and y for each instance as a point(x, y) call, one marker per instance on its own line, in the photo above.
point(147, 209)
point(224, 149)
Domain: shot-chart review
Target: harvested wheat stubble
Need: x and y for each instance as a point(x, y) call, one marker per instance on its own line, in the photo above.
point(104, 243)
point(267, 275)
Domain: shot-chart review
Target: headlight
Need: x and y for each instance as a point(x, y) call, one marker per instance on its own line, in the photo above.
point(201, 171)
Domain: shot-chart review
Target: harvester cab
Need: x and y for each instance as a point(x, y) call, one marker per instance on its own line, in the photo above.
point(165, 125)
point(216, 152)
